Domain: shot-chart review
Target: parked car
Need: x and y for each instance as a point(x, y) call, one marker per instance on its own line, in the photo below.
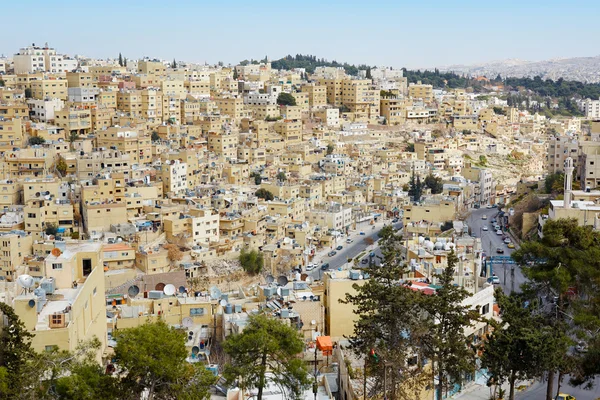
point(310, 267)
point(493, 221)
point(339, 248)
point(348, 240)
point(332, 253)
point(484, 217)
point(507, 240)
point(484, 228)
point(564, 396)
point(499, 232)
point(488, 206)
point(395, 220)
point(499, 250)
point(494, 280)
point(511, 245)
point(362, 233)
point(497, 227)
point(325, 267)
point(364, 261)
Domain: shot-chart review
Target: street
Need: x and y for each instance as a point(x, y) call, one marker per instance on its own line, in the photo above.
point(490, 242)
point(350, 250)
point(538, 391)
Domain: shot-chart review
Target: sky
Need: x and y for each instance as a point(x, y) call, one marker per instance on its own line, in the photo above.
point(416, 34)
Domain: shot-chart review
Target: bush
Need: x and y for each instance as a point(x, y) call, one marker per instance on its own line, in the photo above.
point(446, 226)
point(286, 99)
point(252, 261)
point(36, 140)
point(264, 194)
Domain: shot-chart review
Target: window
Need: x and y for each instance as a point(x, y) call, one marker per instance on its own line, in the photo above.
point(57, 266)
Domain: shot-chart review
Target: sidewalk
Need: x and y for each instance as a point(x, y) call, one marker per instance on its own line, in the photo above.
point(477, 391)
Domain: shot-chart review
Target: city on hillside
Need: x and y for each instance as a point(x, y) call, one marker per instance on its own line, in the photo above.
point(295, 228)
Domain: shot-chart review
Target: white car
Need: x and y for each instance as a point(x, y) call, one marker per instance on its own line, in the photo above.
point(507, 240)
point(494, 280)
point(484, 228)
point(499, 232)
point(488, 206)
point(348, 240)
point(310, 267)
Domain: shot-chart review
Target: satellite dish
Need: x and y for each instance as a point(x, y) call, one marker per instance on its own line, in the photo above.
point(270, 279)
point(187, 322)
point(133, 291)
point(215, 293)
point(31, 303)
point(169, 290)
point(309, 279)
point(181, 289)
point(313, 322)
point(160, 286)
point(195, 350)
point(223, 302)
point(303, 297)
point(26, 281)
point(282, 280)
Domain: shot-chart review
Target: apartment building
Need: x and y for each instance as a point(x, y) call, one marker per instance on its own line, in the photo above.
point(151, 67)
point(44, 110)
point(35, 58)
point(590, 108)
point(334, 216)
point(559, 149)
point(317, 95)
point(393, 110)
point(49, 88)
point(74, 120)
point(134, 142)
point(200, 225)
point(420, 91)
point(11, 133)
point(174, 176)
point(15, 246)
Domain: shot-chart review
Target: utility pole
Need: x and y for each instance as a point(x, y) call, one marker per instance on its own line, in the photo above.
point(512, 278)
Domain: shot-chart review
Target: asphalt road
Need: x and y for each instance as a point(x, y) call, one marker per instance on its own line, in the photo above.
point(349, 250)
point(537, 391)
point(490, 242)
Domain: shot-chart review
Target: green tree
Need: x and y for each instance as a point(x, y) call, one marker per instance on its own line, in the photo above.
point(28, 94)
point(281, 176)
point(263, 193)
point(388, 324)
point(15, 355)
point(410, 147)
point(434, 183)
point(61, 166)
point(51, 229)
point(499, 111)
point(36, 140)
point(516, 347)
point(2, 83)
point(73, 136)
point(120, 59)
point(251, 261)
point(235, 74)
point(368, 75)
point(483, 160)
point(554, 183)
point(174, 64)
point(286, 99)
point(155, 136)
point(445, 343)
point(565, 265)
point(257, 178)
point(266, 352)
point(416, 188)
point(152, 358)
point(330, 148)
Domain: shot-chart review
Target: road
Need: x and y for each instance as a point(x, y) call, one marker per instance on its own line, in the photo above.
point(350, 250)
point(538, 391)
point(490, 242)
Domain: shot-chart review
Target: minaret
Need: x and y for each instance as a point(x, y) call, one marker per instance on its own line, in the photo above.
point(568, 181)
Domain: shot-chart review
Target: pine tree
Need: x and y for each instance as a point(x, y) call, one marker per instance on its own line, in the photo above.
point(369, 76)
point(446, 344)
point(120, 59)
point(174, 64)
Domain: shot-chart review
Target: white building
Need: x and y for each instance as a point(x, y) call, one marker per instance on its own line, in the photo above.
point(44, 110)
point(174, 176)
point(34, 58)
point(82, 94)
point(335, 216)
point(486, 185)
point(590, 108)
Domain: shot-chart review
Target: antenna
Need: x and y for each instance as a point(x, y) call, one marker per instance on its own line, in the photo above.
point(282, 280)
point(187, 322)
point(215, 293)
point(133, 291)
point(169, 290)
point(223, 302)
point(270, 279)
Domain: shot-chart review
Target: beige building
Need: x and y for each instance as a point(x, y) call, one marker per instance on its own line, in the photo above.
point(420, 91)
point(49, 88)
point(432, 211)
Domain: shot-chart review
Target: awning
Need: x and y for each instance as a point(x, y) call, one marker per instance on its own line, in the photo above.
point(324, 343)
point(60, 230)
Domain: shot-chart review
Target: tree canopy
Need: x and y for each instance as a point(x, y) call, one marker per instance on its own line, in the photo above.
point(263, 193)
point(252, 261)
point(434, 183)
point(266, 351)
point(286, 99)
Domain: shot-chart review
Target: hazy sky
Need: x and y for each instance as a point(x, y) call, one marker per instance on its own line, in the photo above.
point(419, 33)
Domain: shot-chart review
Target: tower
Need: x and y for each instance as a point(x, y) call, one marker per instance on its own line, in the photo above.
point(568, 181)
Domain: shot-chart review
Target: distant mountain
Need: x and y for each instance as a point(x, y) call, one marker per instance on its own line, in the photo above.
point(584, 69)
